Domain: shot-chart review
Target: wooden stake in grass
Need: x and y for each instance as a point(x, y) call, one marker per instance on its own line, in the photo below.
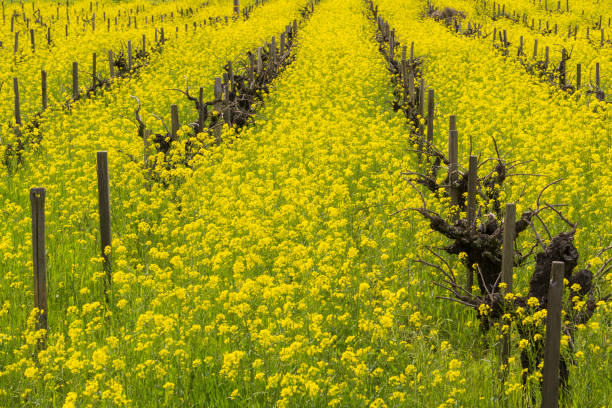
point(282, 44)
point(39, 259)
point(201, 116)
point(453, 167)
point(430, 116)
point(129, 52)
point(34, 44)
point(104, 213)
point(43, 88)
point(552, 348)
point(471, 209)
point(17, 102)
point(251, 73)
point(175, 121)
point(421, 106)
point(75, 81)
point(507, 265)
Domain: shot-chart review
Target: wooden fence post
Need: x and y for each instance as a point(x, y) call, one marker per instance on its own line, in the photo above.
point(34, 44)
point(251, 68)
point(39, 259)
point(578, 75)
point(259, 60)
point(507, 265)
point(17, 102)
point(421, 107)
point(453, 157)
point(201, 117)
point(508, 243)
point(552, 348)
point(129, 52)
point(175, 121)
point(43, 88)
point(273, 50)
point(430, 116)
point(75, 81)
point(218, 90)
point(471, 209)
point(16, 45)
point(104, 213)
point(282, 44)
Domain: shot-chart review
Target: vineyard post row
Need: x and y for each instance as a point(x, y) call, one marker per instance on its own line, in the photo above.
point(502, 37)
point(37, 194)
point(501, 12)
point(93, 22)
point(75, 71)
point(550, 372)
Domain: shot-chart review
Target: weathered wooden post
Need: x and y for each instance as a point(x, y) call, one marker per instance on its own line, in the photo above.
point(16, 45)
point(237, 8)
point(17, 102)
point(562, 68)
point(251, 72)
point(552, 348)
point(273, 50)
point(578, 76)
point(507, 265)
point(129, 52)
point(43, 88)
point(75, 81)
point(430, 116)
point(218, 91)
point(201, 117)
point(39, 260)
point(104, 213)
point(34, 44)
point(421, 107)
point(175, 121)
point(471, 209)
point(453, 167)
point(535, 48)
point(411, 86)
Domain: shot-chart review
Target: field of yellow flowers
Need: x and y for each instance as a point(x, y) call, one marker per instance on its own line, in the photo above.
point(273, 269)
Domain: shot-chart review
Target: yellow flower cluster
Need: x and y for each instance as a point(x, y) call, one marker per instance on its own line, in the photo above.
point(272, 271)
